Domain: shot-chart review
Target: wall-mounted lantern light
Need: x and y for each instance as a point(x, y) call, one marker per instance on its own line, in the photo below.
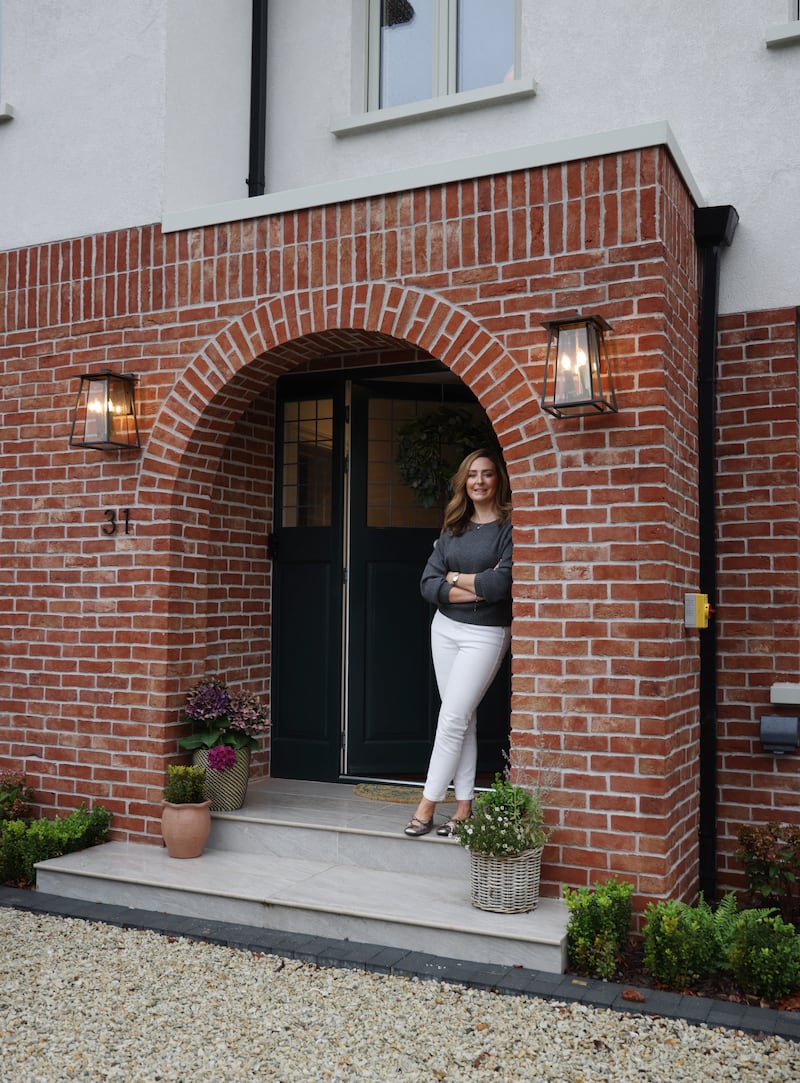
point(105, 413)
point(577, 374)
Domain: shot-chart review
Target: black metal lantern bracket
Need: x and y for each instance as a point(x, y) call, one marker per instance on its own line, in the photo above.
point(577, 375)
point(104, 416)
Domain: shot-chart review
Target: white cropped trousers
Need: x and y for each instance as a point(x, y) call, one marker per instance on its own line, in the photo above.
point(466, 658)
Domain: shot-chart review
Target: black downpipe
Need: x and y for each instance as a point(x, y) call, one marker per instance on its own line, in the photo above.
point(714, 228)
point(257, 170)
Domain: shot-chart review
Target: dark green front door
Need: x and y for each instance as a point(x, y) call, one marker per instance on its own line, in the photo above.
point(307, 561)
point(353, 688)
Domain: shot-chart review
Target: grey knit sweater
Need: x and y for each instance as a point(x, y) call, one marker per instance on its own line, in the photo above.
point(485, 551)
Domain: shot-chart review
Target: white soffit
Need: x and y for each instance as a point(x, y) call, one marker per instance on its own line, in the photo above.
point(657, 133)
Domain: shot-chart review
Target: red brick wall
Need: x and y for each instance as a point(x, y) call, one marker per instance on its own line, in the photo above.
point(610, 675)
point(105, 634)
point(758, 578)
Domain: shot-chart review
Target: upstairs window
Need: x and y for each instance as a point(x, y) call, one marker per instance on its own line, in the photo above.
point(420, 49)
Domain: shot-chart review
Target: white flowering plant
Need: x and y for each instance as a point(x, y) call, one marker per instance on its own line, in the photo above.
point(506, 819)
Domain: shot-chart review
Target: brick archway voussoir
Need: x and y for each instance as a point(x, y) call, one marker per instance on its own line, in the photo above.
point(415, 316)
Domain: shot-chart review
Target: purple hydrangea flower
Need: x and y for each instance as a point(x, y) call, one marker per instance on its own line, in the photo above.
point(222, 717)
point(248, 714)
point(209, 699)
point(221, 757)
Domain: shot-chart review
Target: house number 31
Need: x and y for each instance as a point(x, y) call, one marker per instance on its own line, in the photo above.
point(113, 523)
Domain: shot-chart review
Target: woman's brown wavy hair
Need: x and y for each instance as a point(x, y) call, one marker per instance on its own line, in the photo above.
point(460, 508)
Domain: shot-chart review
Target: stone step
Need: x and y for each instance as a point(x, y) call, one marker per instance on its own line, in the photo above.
point(320, 861)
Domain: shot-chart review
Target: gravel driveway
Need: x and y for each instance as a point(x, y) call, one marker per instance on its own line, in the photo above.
point(86, 1001)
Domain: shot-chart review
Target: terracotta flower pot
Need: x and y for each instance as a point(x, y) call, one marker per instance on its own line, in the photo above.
point(185, 828)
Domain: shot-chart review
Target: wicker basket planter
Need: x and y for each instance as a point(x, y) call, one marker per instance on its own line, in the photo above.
point(506, 885)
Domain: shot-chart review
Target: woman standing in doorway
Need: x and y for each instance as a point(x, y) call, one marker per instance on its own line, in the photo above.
point(468, 579)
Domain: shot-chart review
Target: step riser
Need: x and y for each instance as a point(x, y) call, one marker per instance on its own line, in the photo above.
point(447, 943)
point(427, 856)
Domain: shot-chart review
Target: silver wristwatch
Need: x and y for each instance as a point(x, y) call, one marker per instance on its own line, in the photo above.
point(455, 578)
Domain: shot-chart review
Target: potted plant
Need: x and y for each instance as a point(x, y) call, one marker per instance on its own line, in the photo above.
point(186, 812)
point(226, 728)
point(505, 836)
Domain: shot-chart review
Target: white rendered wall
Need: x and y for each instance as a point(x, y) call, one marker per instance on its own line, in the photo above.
point(208, 102)
point(85, 150)
point(132, 109)
point(122, 109)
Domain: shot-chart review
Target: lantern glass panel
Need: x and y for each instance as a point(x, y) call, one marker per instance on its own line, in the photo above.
point(574, 368)
point(96, 426)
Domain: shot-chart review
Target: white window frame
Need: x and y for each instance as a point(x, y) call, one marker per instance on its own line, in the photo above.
point(366, 65)
point(6, 110)
point(787, 33)
point(445, 50)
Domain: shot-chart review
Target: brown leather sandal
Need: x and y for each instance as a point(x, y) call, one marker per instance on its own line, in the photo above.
point(416, 827)
point(449, 830)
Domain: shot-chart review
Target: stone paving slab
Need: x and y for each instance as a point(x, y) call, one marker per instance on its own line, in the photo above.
point(323, 951)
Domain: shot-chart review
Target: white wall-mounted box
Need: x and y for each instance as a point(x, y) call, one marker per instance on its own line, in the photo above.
point(785, 693)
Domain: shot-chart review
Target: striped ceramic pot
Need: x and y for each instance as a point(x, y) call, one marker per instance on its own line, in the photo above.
point(225, 789)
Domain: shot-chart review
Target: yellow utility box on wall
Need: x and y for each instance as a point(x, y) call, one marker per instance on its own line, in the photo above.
point(697, 610)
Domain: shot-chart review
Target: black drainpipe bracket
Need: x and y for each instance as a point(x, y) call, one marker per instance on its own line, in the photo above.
point(715, 225)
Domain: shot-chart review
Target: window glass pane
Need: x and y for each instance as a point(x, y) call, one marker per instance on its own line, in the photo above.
point(390, 502)
point(406, 51)
point(307, 463)
point(485, 43)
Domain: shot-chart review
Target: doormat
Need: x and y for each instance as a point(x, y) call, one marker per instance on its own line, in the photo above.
point(377, 791)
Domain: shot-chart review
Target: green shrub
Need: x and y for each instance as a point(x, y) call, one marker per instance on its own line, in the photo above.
point(15, 796)
point(680, 942)
point(765, 955)
point(598, 927)
point(185, 785)
point(23, 845)
point(770, 854)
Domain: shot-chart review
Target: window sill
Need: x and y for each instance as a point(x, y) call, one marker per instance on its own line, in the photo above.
point(787, 34)
point(434, 107)
point(6, 112)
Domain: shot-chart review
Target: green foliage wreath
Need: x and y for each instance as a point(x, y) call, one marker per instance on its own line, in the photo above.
point(431, 447)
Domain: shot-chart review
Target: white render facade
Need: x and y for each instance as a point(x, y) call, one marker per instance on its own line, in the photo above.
point(136, 112)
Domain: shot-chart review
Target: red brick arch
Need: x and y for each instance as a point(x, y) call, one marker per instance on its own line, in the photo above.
point(196, 418)
point(256, 348)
